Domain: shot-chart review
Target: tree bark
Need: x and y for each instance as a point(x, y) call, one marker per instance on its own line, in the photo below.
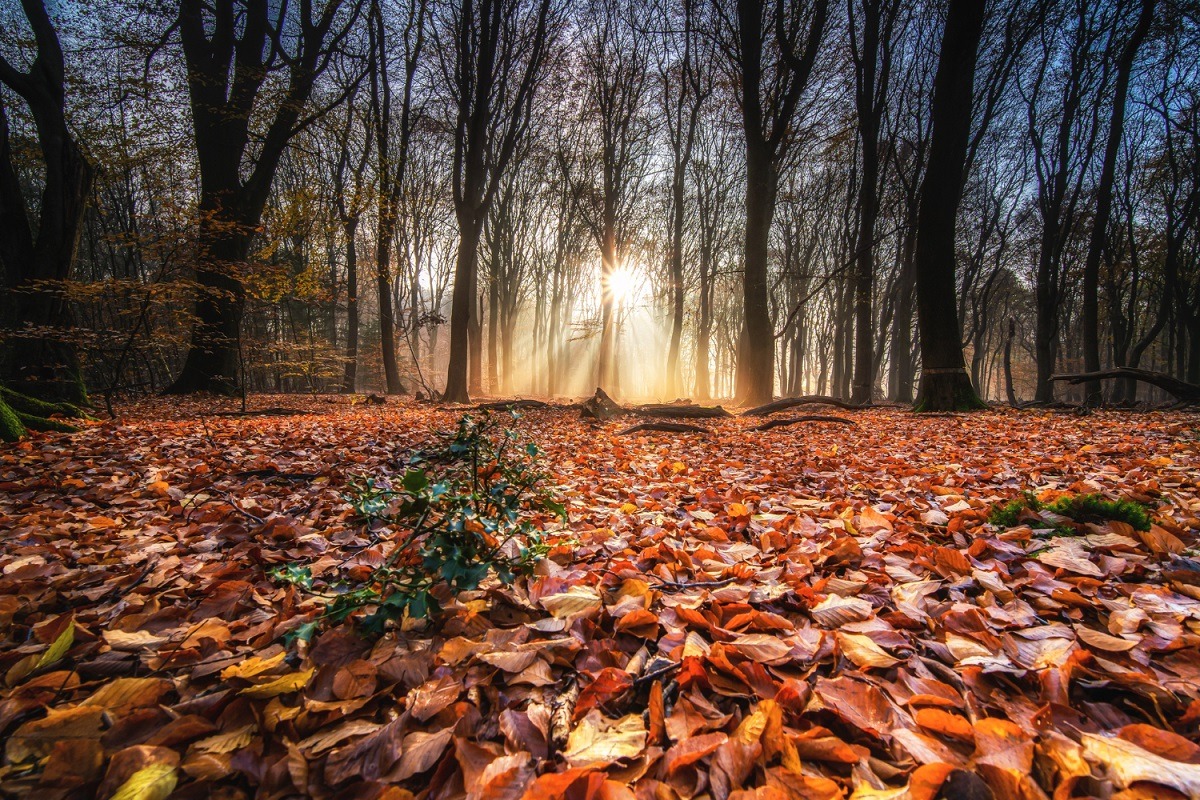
point(350, 377)
point(945, 385)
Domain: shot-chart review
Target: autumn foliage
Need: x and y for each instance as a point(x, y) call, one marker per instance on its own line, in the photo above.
point(818, 611)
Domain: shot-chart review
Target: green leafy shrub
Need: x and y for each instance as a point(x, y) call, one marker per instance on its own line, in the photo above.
point(473, 506)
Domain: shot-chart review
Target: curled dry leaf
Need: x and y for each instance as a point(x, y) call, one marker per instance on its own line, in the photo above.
point(864, 652)
point(835, 611)
point(1126, 763)
point(596, 741)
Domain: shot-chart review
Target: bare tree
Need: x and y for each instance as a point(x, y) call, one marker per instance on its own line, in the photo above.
point(945, 384)
point(872, 28)
point(391, 157)
point(231, 48)
point(493, 53)
point(771, 49)
point(1103, 199)
point(37, 250)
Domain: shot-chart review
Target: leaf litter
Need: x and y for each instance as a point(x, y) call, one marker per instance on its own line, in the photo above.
point(801, 613)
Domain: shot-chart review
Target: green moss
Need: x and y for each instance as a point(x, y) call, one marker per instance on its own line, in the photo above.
point(34, 423)
point(1095, 508)
point(20, 413)
point(1009, 514)
point(1080, 508)
point(25, 404)
point(11, 427)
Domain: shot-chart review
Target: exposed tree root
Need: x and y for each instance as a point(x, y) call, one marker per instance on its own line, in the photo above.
point(784, 422)
point(784, 403)
point(1181, 390)
point(501, 405)
point(663, 427)
point(20, 413)
point(263, 412)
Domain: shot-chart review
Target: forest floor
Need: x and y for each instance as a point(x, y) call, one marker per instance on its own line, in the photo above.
point(817, 611)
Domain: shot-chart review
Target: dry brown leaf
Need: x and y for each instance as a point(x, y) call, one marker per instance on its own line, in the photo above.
point(864, 652)
point(597, 741)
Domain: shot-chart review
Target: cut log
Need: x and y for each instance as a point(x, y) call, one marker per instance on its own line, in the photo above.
point(1181, 390)
point(680, 410)
point(502, 405)
point(783, 404)
point(663, 427)
point(600, 406)
point(785, 421)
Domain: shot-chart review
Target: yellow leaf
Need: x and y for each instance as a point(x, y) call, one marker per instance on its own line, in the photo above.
point(129, 693)
point(227, 742)
point(578, 601)
point(292, 682)
point(154, 782)
point(252, 667)
point(132, 641)
point(59, 649)
point(762, 647)
point(598, 741)
point(864, 652)
point(628, 508)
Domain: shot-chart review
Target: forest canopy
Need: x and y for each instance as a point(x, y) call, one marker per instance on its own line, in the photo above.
point(663, 198)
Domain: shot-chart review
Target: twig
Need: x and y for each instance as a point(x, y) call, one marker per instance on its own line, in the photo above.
point(678, 586)
point(642, 680)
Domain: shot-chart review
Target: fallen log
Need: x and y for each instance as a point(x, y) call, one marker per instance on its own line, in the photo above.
point(663, 427)
point(501, 405)
point(784, 403)
point(681, 410)
point(785, 421)
point(1181, 390)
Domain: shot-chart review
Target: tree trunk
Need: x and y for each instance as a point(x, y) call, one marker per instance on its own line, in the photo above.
point(1009, 391)
point(350, 378)
point(1104, 191)
point(462, 302)
point(495, 383)
point(756, 344)
point(1045, 337)
point(605, 366)
point(945, 385)
point(673, 382)
point(866, 105)
point(213, 361)
point(387, 317)
point(901, 384)
point(37, 254)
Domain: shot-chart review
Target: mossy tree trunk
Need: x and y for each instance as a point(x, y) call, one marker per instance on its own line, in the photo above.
point(20, 413)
